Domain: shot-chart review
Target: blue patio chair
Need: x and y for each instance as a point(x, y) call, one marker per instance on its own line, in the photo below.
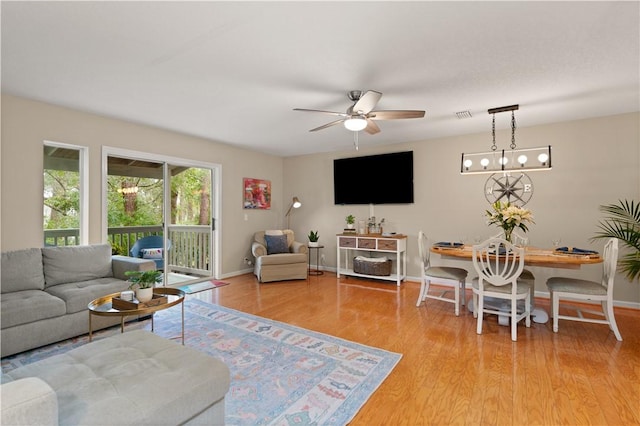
point(150, 247)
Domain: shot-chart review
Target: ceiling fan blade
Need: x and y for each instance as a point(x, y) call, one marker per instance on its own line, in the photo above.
point(333, 123)
point(395, 115)
point(341, 114)
point(372, 128)
point(367, 102)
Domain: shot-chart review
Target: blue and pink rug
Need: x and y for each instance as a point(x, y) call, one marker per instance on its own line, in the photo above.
point(280, 374)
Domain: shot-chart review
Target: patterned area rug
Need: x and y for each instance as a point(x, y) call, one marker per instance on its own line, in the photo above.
point(203, 286)
point(280, 374)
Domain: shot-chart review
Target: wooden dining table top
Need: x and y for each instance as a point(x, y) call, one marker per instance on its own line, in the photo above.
point(533, 256)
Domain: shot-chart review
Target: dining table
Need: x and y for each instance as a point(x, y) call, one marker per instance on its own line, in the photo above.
point(566, 258)
point(533, 256)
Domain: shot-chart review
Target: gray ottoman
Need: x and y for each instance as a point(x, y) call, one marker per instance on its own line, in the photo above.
point(135, 378)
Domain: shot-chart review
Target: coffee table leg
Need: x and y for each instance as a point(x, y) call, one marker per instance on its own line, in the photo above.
point(152, 315)
point(90, 327)
point(182, 323)
point(121, 324)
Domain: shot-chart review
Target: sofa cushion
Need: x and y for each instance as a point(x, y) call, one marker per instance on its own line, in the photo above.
point(76, 263)
point(283, 259)
point(77, 295)
point(23, 307)
point(134, 378)
point(21, 270)
point(276, 244)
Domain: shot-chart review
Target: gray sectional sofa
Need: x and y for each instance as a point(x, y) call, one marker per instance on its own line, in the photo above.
point(45, 292)
point(135, 378)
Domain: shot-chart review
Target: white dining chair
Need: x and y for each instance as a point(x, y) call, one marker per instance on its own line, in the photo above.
point(526, 277)
point(585, 290)
point(447, 276)
point(499, 264)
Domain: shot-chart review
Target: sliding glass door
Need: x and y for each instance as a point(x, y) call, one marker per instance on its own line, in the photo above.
point(162, 209)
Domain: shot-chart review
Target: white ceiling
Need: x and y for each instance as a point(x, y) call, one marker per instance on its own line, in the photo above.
point(233, 71)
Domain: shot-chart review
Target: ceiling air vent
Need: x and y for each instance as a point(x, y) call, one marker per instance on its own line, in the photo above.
point(463, 114)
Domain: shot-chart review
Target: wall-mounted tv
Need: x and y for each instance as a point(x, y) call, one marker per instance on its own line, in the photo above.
point(374, 179)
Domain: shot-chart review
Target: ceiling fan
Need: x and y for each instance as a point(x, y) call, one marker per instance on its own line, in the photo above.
point(361, 116)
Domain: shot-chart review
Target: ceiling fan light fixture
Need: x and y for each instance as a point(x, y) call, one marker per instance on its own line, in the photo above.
point(355, 124)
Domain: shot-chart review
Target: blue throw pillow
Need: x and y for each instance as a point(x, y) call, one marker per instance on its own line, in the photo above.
point(276, 244)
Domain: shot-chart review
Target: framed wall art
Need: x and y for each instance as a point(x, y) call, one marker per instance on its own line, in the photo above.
point(256, 193)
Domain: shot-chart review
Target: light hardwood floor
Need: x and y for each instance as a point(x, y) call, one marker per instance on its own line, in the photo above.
point(450, 375)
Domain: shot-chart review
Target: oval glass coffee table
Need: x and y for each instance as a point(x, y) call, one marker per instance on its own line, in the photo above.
point(103, 307)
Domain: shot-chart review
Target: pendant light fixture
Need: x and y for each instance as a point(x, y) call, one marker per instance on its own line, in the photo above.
point(506, 160)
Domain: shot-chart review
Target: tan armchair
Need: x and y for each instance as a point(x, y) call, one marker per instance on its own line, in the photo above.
point(278, 256)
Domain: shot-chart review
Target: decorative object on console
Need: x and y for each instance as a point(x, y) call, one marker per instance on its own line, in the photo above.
point(508, 217)
point(380, 266)
point(145, 281)
point(295, 204)
point(512, 160)
point(313, 238)
point(375, 227)
point(256, 193)
point(350, 219)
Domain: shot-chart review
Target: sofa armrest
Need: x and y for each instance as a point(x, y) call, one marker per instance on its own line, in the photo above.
point(297, 247)
point(121, 264)
point(258, 249)
point(28, 401)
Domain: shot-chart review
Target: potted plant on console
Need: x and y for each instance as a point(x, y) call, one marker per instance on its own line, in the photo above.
point(145, 281)
point(351, 219)
point(313, 238)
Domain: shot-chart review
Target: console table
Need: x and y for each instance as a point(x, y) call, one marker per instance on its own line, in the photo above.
point(396, 244)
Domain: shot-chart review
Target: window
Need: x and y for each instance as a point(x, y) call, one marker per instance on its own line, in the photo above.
point(64, 200)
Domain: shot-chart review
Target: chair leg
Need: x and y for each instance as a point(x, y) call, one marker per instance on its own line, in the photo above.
point(514, 322)
point(608, 309)
point(422, 292)
point(456, 299)
point(475, 304)
point(555, 308)
point(478, 307)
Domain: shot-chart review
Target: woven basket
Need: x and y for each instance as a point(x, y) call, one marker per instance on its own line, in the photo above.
point(372, 268)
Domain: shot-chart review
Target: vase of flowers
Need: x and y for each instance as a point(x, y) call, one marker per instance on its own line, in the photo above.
point(508, 217)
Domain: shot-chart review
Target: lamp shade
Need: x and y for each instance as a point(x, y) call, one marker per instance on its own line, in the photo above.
point(355, 124)
point(296, 203)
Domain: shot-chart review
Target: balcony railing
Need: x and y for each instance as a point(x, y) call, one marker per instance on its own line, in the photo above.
point(190, 244)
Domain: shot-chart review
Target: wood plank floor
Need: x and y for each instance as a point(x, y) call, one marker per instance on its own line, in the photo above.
point(450, 375)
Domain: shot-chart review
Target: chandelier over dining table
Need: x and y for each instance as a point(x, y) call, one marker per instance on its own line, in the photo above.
point(506, 160)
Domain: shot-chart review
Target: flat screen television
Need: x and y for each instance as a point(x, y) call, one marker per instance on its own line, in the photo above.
point(374, 179)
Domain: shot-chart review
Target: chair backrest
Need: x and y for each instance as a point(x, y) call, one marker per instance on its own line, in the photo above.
point(610, 257)
point(259, 236)
point(423, 250)
point(498, 262)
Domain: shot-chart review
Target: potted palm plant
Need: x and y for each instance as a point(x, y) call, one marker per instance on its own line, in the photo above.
point(623, 222)
point(313, 238)
point(145, 281)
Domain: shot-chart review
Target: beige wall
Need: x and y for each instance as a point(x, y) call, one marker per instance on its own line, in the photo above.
point(595, 161)
point(26, 124)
